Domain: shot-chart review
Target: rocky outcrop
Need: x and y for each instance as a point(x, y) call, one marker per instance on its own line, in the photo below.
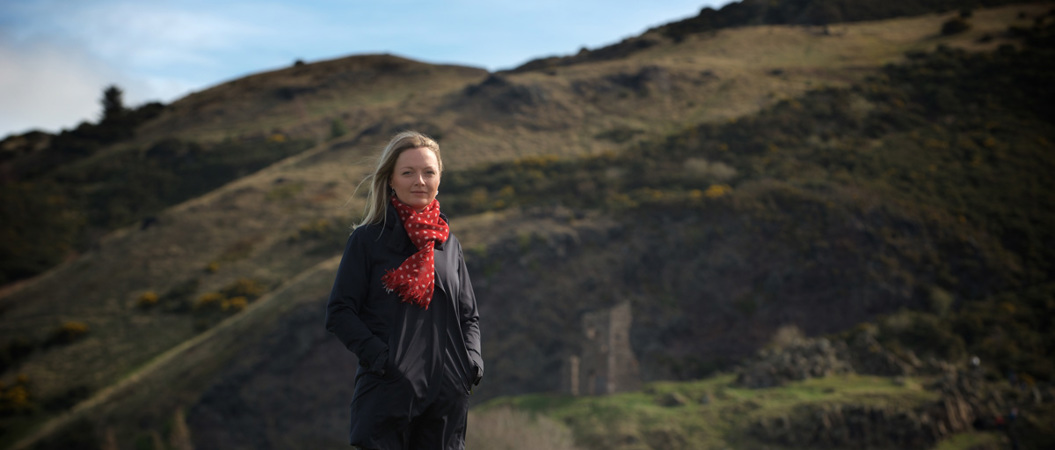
point(966, 402)
point(802, 358)
point(867, 356)
point(861, 426)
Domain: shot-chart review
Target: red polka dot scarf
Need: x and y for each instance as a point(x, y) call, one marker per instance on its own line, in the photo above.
point(414, 280)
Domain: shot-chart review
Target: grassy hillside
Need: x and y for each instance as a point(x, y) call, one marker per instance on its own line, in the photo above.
point(709, 22)
point(915, 189)
point(726, 184)
point(75, 187)
point(306, 99)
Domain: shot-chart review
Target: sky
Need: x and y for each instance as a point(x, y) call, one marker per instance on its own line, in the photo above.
point(57, 56)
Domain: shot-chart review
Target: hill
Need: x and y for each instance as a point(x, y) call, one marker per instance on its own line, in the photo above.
point(725, 184)
point(709, 77)
point(709, 21)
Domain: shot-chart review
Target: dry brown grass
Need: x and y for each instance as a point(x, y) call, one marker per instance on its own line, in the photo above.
point(304, 100)
point(154, 391)
point(511, 429)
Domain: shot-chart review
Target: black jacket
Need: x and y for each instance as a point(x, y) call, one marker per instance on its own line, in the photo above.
point(404, 351)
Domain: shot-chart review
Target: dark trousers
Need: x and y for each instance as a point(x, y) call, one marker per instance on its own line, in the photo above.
point(440, 426)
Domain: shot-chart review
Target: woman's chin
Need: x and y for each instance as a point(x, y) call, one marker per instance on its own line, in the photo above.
point(418, 203)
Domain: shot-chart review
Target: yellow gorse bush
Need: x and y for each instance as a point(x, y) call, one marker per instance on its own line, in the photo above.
point(208, 300)
point(147, 299)
point(74, 328)
point(17, 398)
point(68, 332)
point(717, 190)
point(233, 298)
point(245, 287)
point(235, 304)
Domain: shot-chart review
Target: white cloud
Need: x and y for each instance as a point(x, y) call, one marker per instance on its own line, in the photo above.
point(48, 87)
point(58, 57)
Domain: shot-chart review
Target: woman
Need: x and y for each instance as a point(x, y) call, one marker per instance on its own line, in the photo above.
point(403, 303)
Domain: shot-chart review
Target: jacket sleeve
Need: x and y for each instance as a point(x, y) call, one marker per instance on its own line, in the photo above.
point(350, 291)
point(470, 318)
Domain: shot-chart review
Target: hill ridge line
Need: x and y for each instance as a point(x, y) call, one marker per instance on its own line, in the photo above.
point(249, 179)
point(14, 287)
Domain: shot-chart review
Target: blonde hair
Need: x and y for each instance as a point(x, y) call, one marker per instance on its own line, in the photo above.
point(380, 193)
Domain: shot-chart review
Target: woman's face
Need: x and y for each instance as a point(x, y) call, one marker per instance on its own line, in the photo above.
point(416, 177)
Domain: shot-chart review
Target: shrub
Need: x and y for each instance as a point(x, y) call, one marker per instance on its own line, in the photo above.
point(14, 351)
point(147, 299)
point(40, 227)
point(1011, 332)
point(953, 26)
point(16, 399)
point(786, 336)
point(941, 301)
point(923, 333)
point(236, 304)
point(717, 190)
point(177, 299)
point(338, 129)
point(207, 301)
point(245, 287)
point(68, 332)
point(233, 298)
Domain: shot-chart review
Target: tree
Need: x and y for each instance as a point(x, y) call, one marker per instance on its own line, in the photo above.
point(113, 104)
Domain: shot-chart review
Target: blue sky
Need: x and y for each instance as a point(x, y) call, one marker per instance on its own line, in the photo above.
point(56, 56)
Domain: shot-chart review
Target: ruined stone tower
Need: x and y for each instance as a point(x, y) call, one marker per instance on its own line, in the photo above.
point(606, 363)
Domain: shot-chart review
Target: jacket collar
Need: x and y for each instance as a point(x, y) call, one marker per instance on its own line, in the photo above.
point(398, 240)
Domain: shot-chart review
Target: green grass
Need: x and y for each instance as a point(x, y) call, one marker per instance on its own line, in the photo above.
point(642, 419)
point(968, 441)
